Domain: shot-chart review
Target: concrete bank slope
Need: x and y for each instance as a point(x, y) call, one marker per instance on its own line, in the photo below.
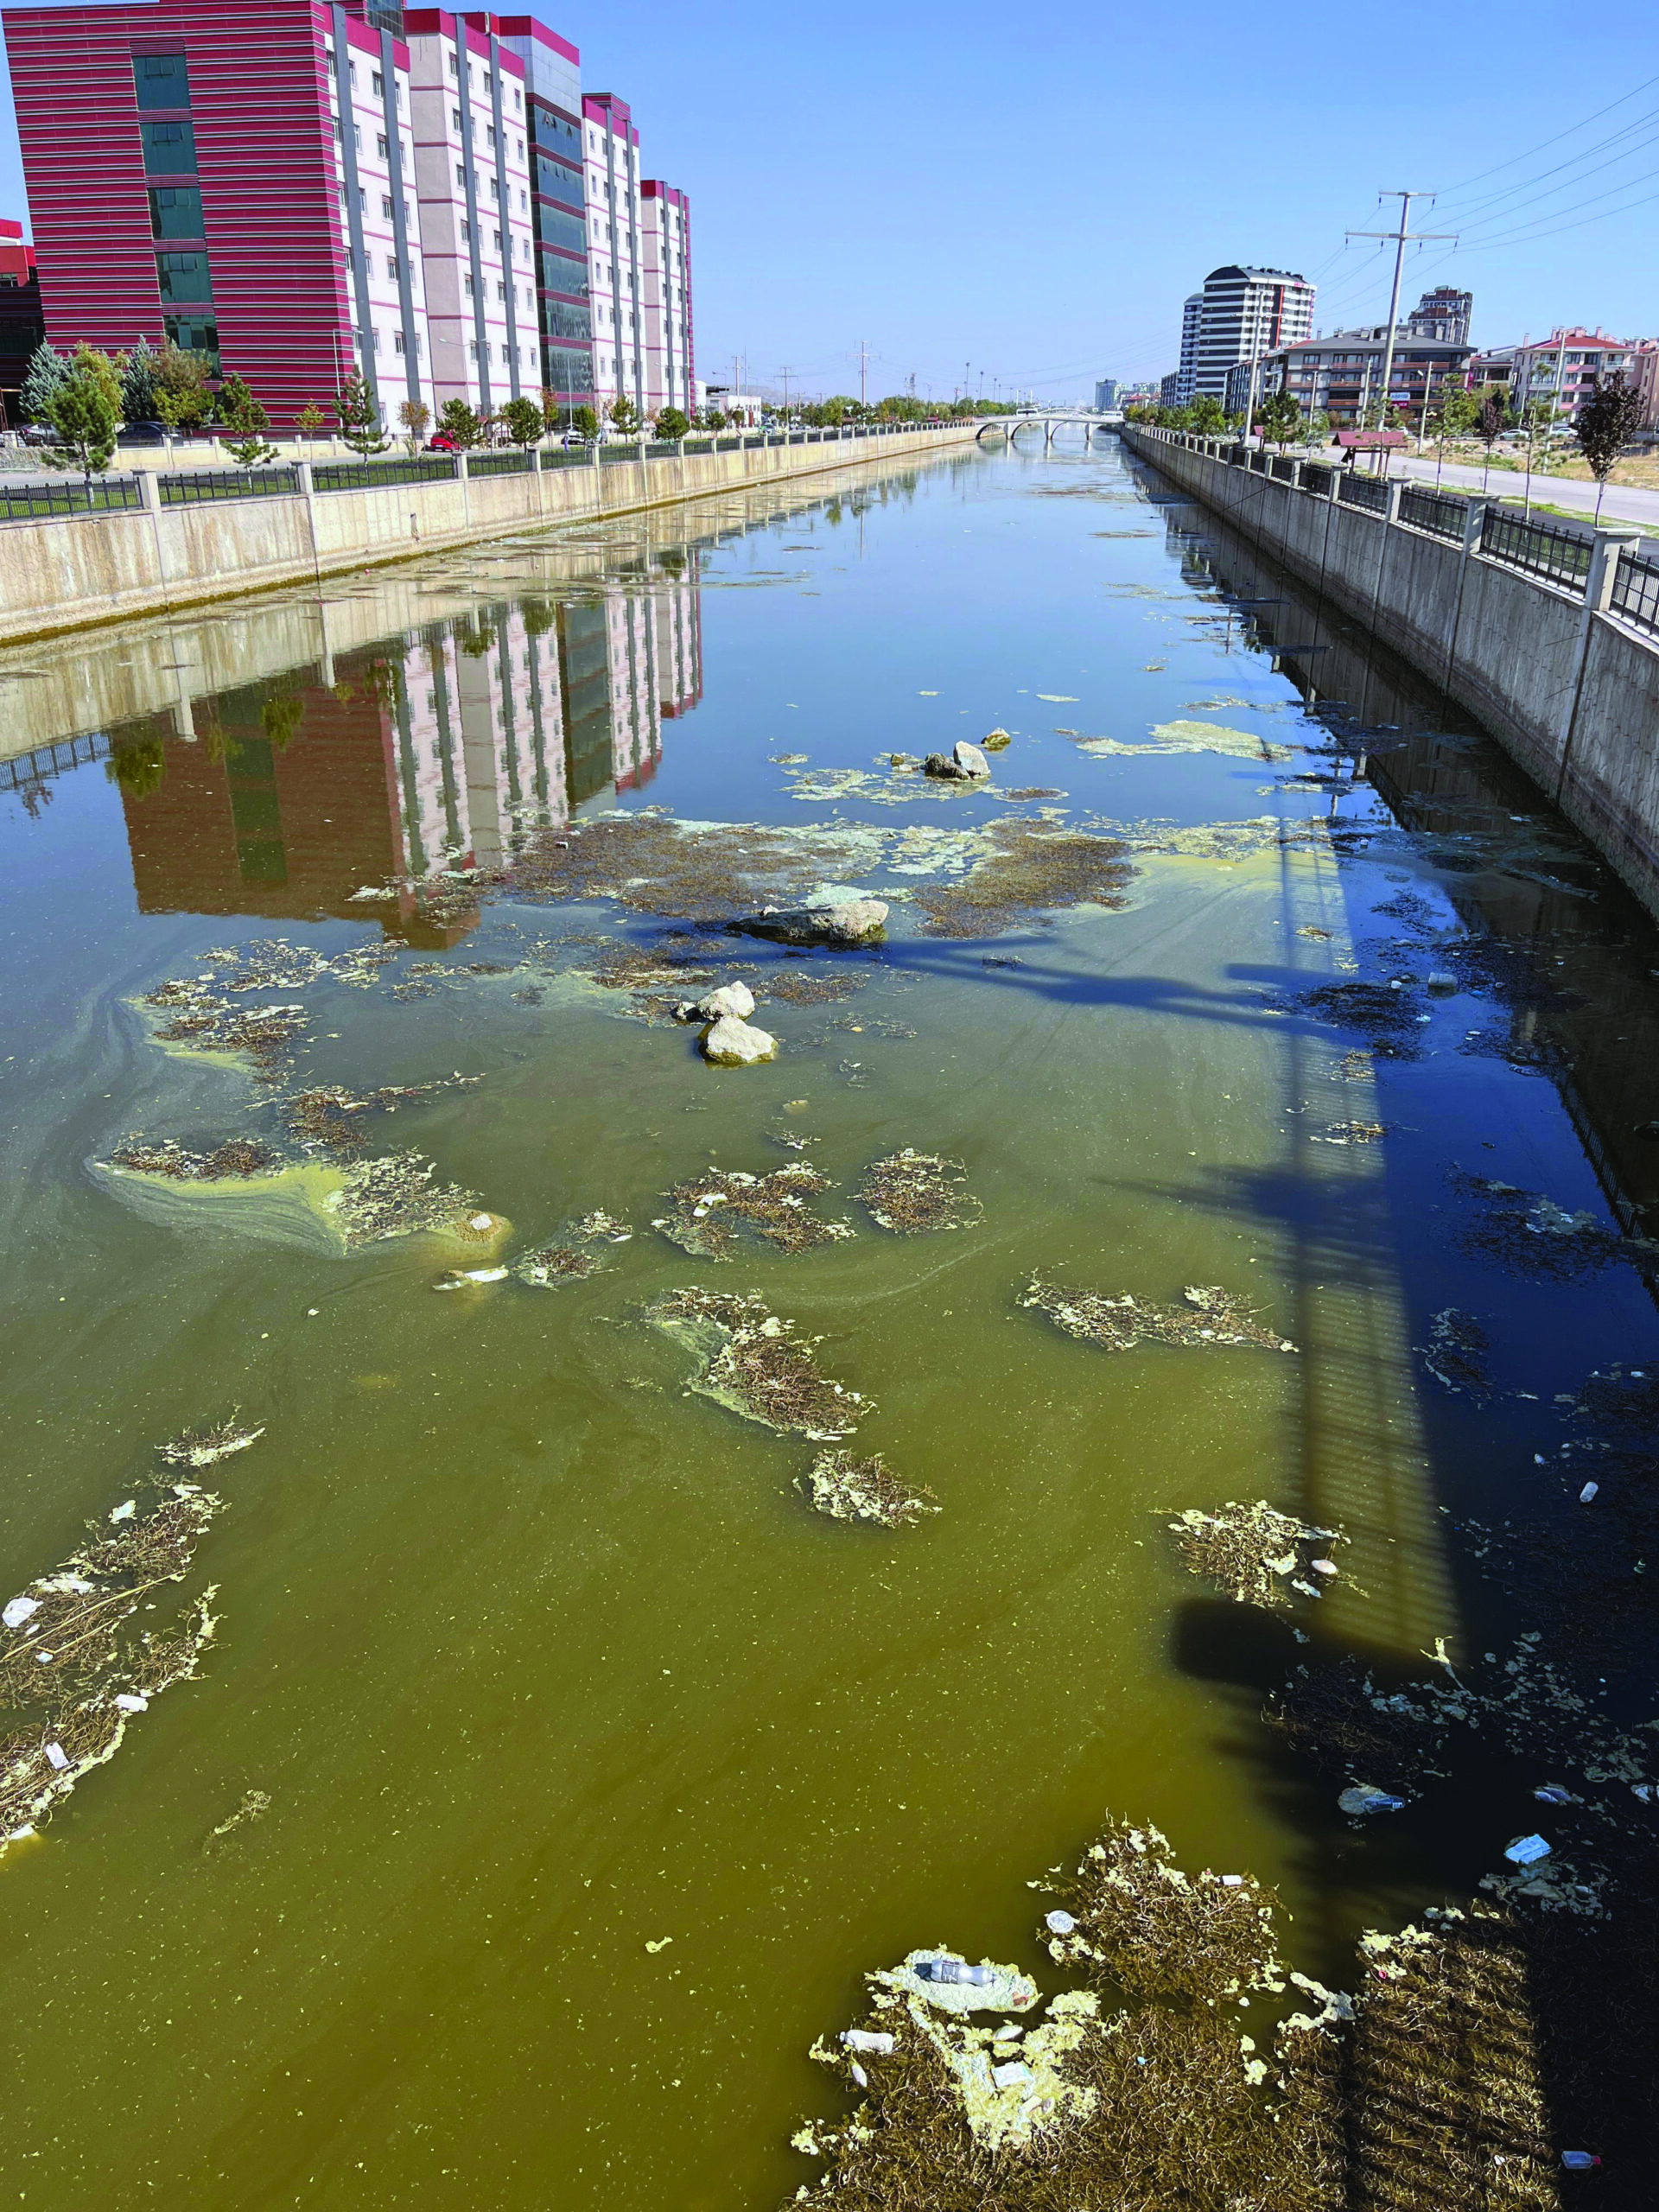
point(64, 572)
point(1565, 681)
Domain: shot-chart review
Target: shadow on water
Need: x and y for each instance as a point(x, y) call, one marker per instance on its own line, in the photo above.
point(1452, 858)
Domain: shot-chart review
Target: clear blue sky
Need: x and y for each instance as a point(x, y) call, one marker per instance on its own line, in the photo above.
point(1037, 202)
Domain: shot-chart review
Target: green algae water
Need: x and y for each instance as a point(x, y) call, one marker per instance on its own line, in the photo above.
point(555, 1771)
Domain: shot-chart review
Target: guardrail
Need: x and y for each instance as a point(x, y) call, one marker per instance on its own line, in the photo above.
point(1564, 558)
point(369, 475)
point(191, 484)
point(28, 503)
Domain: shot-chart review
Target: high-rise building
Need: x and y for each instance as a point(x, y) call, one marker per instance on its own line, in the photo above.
point(1106, 393)
point(1444, 315)
point(325, 184)
point(1240, 314)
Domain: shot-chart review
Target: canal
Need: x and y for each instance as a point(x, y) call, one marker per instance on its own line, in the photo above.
point(553, 1772)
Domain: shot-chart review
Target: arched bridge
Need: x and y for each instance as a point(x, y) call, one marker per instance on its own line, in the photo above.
point(1050, 422)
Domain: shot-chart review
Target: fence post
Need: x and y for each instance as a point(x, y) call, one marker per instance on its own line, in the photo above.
point(1598, 590)
point(150, 499)
point(305, 483)
point(1396, 486)
point(1295, 475)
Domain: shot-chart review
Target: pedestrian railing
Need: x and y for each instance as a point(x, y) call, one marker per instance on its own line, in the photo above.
point(1441, 514)
point(663, 449)
point(1635, 595)
point(1316, 478)
point(609, 456)
point(1284, 468)
point(371, 475)
point(729, 445)
point(565, 457)
point(499, 464)
point(110, 494)
point(191, 484)
point(1558, 556)
point(1369, 491)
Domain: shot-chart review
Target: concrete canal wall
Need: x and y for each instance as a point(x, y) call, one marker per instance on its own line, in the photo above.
point(155, 551)
point(1558, 657)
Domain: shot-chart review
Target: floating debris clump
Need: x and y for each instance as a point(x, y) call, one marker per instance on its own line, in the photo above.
point(713, 1210)
point(63, 1657)
point(575, 1253)
point(328, 1118)
point(235, 1157)
point(647, 861)
point(396, 1196)
point(1456, 1352)
point(202, 1447)
point(1031, 868)
point(865, 1489)
point(203, 1019)
point(1254, 1554)
point(910, 1192)
point(754, 1364)
point(1210, 1315)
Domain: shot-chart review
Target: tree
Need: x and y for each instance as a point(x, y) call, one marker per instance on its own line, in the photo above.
point(1606, 422)
point(624, 416)
point(585, 423)
point(182, 396)
point(1536, 418)
point(308, 422)
point(238, 411)
point(1454, 416)
point(47, 373)
point(1208, 416)
point(1280, 417)
point(85, 418)
point(88, 361)
point(138, 384)
point(671, 423)
point(459, 424)
point(358, 412)
point(1491, 420)
point(416, 416)
point(526, 425)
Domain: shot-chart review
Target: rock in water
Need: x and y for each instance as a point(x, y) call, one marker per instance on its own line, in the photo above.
point(847, 921)
point(995, 740)
point(969, 760)
point(731, 998)
point(733, 1043)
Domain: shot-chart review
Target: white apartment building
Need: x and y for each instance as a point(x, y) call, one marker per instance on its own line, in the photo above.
point(1240, 314)
point(665, 297)
point(369, 119)
point(612, 180)
point(1561, 370)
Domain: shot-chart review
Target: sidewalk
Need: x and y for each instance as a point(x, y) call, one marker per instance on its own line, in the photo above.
point(1620, 502)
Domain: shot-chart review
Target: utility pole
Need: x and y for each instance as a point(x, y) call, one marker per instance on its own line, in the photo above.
point(863, 373)
point(1399, 238)
point(784, 373)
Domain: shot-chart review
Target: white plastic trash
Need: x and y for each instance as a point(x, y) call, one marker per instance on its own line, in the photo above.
point(19, 1610)
point(1232, 1881)
point(1588, 1493)
point(867, 2039)
point(1526, 1850)
point(126, 1702)
point(1058, 1923)
point(858, 2075)
point(57, 1756)
point(1552, 1792)
point(1012, 2075)
point(1323, 1566)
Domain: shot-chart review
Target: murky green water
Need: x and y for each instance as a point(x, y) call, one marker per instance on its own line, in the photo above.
point(541, 1660)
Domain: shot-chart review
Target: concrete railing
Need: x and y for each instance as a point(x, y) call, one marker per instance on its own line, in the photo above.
point(1550, 636)
point(144, 543)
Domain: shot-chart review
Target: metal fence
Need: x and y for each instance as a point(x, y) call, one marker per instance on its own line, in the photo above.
point(1369, 491)
point(1316, 478)
point(663, 449)
point(565, 457)
point(1559, 556)
point(610, 455)
point(499, 464)
point(1284, 468)
point(191, 485)
point(368, 476)
point(110, 494)
point(1440, 513)
point(1636, 591)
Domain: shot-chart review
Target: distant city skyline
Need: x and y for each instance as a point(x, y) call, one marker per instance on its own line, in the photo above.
point(1075, 265)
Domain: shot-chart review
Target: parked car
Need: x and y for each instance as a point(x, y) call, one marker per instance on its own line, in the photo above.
point(144, 434)
point(41, 433)
point(441, 441)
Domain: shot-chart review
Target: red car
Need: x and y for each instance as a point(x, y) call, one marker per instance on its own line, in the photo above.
point(441, 441)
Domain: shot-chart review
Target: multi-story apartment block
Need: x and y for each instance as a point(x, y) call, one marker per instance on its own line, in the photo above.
point(317, 185)
point(1191, 326)
point(1561, 370)
point(665, 297)
point(1242, 314)
point(1340, 375)
point(1444, 314)
point(1105, 392)
point(1645, 377)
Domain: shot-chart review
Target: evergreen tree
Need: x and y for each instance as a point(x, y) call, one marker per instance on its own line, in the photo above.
point(359, 415)
point(459, 424)
point(47, 374)
point(671, 423)
point(84, 417)
point(238, 411)
point(525, 422)
point(138, 384)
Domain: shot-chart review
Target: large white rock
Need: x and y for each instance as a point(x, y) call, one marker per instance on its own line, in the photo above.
point(843, 921)
point(970, 759)
point(730, 998)
point(733, 1043)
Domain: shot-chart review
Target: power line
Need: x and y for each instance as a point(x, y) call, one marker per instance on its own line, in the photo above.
point(1545, 143)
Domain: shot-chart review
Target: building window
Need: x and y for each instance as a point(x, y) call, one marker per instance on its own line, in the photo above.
point(183, 278)
point(495, 189)
point(455, 116)
point(397, 341)
point(169, 148)
point(380, 145)
point(161, 80)
point(466, 231)
point(193, 334)
point(454, 70)
point(498, 241)
point(472, 349)
point(175, 211)
point(466, 288)
point(460, 177)
point(377, 83)
point(385, 206)
point(392, 268)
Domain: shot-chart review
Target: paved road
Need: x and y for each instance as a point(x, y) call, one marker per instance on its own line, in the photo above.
point(1620, 503)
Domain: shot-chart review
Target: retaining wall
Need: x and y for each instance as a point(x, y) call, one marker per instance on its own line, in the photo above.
point(1570, 689)
point(63, 572)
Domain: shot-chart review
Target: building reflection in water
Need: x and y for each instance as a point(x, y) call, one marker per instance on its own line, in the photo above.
point(409, 758)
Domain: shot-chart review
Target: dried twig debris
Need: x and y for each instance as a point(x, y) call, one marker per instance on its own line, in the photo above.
point(1210, 1315)
point(1031, 868)
point(910, 1192)
point(573, 1254)
point(754, 1364)
point(711, 1211)
point(396, 1196)
point(847, 1489)
point(1256, 1555)
point(329, 1119)
point(236, 1157)
point(201, 1447)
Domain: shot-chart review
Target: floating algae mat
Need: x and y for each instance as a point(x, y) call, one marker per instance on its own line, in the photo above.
point(1255, 1554)
point(850, 1489)
point(910, 1192)
point(1031, 868)
point(712, 1212)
